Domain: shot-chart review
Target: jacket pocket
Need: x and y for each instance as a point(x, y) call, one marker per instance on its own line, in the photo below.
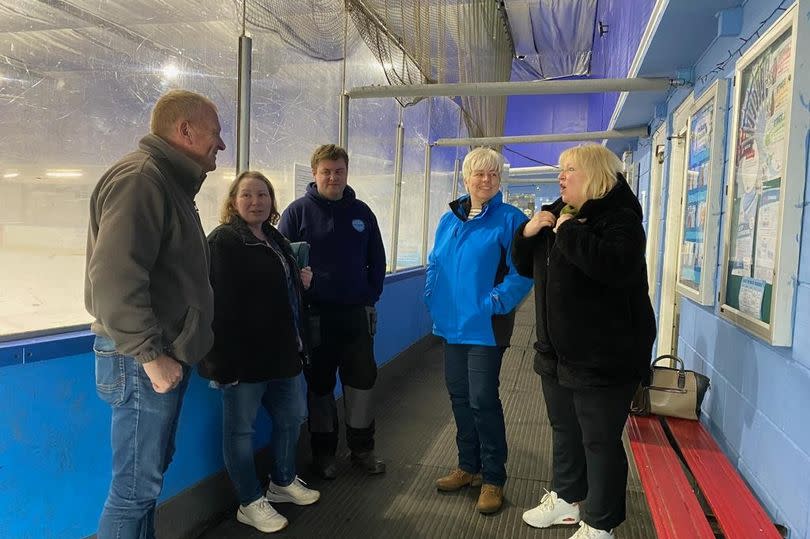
point(314, 330)
point(193, 343)
point(545, 360)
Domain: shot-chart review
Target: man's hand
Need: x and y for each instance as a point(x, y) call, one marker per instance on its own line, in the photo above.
point(538, 221)
point(306, 277)
point(164, 372)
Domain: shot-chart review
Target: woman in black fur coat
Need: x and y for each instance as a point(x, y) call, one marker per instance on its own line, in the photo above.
point(595, 330)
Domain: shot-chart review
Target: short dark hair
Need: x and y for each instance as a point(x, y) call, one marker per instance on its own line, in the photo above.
point(329, 152)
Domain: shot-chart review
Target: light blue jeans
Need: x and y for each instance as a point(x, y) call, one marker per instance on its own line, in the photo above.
point(144, 424)
point(285, 402)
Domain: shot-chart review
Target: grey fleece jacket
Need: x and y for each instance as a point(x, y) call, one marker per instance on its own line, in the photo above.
point(147, 282)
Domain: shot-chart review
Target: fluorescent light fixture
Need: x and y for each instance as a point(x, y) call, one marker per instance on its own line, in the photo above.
point(171, 71)
point(63, 173)
point(11, 174)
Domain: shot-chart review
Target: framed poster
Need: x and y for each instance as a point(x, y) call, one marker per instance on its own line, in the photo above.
point(703, 181)
point(766, 177)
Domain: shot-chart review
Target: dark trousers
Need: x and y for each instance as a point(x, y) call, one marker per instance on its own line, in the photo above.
point(589, 459)
point(344, 345)
point(472, 377)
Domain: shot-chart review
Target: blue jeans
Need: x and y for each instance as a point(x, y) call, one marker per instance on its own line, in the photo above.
point(284, 401)
point(471, 373)
point(144, 424)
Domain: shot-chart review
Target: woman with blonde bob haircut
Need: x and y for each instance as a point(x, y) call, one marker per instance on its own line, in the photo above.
point(259, 347)
point(472, 290)
point(595, 330)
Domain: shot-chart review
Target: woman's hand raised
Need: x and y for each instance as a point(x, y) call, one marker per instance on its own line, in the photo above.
point(538, 221)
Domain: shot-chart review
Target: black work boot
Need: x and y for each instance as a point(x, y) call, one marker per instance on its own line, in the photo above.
point(369, 462)
point(325, 466)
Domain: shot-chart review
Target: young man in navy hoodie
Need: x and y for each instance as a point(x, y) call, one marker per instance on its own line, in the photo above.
point(348, 264)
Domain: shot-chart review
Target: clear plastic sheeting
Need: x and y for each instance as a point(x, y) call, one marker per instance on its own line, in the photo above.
point(77, 84)
point(445, 123)
point(78, 81)
point(553, 38)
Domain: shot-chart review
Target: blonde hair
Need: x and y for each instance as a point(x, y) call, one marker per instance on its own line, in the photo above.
point(481, 159)
point(228, 212)
point(177, 105)
point(599, 165)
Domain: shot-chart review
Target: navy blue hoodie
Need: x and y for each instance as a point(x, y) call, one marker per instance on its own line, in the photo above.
point(347, 254)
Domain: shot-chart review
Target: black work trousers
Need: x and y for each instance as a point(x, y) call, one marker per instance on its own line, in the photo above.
point(342, 344)
point(589, 460)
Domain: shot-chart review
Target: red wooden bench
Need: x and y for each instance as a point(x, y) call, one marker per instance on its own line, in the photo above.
point(675, 509)
point(738, 513)
point(674, 505)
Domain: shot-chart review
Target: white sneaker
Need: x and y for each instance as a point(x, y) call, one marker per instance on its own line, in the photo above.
point(261, 515)
point(586, 532)
point(551, 511)
point(296, 492)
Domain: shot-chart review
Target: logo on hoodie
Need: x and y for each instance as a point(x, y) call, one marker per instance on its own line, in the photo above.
point(358, 225)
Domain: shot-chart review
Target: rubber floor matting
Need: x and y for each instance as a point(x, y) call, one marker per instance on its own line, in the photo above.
point(416, 437)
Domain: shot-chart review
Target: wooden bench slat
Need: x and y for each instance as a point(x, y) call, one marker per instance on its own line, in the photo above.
point(675, 509)
point(739, 514)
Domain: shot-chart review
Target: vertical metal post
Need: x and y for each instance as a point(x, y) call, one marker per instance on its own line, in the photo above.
point(400, 144)
point(243, 106)
point(457, 165)
point(343, 119)
point(454, 192)
point(426, 205)
point(343, 111)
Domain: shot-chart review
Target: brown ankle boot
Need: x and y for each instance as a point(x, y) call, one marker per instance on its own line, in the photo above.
point(491, 499)
point(456, 479)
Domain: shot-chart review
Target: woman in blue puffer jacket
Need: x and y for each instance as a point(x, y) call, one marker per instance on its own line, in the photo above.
point(472, 290)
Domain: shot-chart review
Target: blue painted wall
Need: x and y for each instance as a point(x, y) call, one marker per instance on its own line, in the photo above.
point(612, 55)
point(533, 114)
point(54, 431)
point(614, 51)
point(758, 393)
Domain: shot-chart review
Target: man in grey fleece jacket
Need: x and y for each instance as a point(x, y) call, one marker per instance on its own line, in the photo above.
point(147, 286)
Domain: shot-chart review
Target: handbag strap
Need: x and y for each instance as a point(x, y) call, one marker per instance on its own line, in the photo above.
point(681, 374)
point(678, 361)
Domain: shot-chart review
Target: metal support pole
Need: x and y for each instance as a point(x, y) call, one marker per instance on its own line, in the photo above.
point(454, 192)
point(243, 106)
point(343, 119)
point(542, 87)
point(630, 132)
point(400, 144)
point(426, 205)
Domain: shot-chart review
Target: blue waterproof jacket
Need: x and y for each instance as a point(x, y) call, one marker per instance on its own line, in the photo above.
point(472, 288)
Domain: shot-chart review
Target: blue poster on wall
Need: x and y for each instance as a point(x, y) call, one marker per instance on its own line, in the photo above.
point(696, 196)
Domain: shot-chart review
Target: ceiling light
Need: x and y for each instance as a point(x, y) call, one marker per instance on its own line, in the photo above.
point(171, 71)
point(63, 173)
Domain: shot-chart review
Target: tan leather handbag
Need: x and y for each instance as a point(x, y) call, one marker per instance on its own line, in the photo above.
point(673, 392)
